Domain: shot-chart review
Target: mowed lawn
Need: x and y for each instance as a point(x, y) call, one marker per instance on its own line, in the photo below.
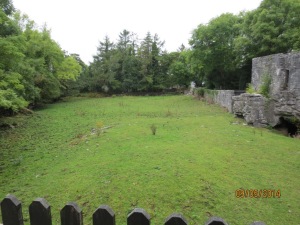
point(102, 151)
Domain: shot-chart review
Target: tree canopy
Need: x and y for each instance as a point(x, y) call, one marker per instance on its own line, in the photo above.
point(33, 67)
point(224, 47)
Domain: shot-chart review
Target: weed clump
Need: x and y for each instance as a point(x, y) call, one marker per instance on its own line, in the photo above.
point(99, 128)
point(153, 129)
point(169, 113)
point(250, 89)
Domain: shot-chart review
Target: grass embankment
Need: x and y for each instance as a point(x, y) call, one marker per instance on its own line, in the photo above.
point(102, 151)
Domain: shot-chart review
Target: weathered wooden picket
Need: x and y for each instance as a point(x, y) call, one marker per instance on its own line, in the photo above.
point(71, 214)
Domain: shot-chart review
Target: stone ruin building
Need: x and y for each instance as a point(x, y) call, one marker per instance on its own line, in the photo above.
point(282, 106)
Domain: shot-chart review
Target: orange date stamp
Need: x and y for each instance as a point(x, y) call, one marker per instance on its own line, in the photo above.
point(257, 193)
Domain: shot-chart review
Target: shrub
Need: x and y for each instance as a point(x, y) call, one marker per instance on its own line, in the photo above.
point(200, 92)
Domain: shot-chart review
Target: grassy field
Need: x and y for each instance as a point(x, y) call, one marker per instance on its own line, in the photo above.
point(102, 151)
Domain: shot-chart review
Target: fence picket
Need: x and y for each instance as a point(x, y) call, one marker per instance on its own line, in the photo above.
point(11, 209)
point(138, 217)
point(71, 214)
point(176, 219)
point(104, 215)
point(40, 212)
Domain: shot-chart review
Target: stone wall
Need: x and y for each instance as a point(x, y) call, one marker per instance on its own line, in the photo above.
point(283, 99)
point(284, 90)
point(255, 109)
point(224, 99)
point(283, 69)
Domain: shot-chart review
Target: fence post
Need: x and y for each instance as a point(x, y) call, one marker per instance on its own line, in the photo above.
point(71, 214)
point(176, 219)
point(40, 212)
point(138, 217)
point(104, 215)
point(11, 209)
point(216, 221)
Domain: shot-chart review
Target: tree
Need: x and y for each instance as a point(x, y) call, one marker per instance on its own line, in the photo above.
point(69, 69)
point(180, 69)
point(104, 67)
point(274, 27)
point(12, 88)
point(213, 47)
point(33, 67)
point(149, 54)
point(82, 83)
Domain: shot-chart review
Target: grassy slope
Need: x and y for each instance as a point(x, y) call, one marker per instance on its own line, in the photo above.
point(193, 165)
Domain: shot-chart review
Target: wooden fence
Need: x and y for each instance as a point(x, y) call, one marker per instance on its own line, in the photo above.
point(71, 214)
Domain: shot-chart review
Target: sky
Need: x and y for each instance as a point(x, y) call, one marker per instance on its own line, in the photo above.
point(78, 26)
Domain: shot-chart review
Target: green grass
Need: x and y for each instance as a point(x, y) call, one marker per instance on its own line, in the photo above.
point(103, 151)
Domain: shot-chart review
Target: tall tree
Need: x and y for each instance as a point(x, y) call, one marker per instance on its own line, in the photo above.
point(149, 54)
point(104, 67)
point(274, 27)
point(213, 47)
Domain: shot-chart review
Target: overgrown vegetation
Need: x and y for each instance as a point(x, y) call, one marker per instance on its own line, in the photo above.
point(193, 165)
point(207, 94)
point(264, 88)
point(250, 89)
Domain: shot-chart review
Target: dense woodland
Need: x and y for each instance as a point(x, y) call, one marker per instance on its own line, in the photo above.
point(34, 69)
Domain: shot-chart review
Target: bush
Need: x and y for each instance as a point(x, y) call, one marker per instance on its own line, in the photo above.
point(200, 91)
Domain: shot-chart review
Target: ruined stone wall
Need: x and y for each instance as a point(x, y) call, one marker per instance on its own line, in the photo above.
point(224, 99)
point(255, 109)
point(284, 90)
point(283, 98)
point(284, 70)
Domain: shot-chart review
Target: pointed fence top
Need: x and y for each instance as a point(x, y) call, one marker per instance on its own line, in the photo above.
point(216, 221)
point(176, 219)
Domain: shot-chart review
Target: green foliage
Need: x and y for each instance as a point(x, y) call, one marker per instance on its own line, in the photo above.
point(210, 92)
point(9, 100)
point(69, 69)
point(127, 66)
point(179, 70)
point(33, 67)
point(264, 88)
point(213, 52)
point(274, 27)
point(250, 89)
point(200, 92)
point(7, 6)
point(222, 50)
